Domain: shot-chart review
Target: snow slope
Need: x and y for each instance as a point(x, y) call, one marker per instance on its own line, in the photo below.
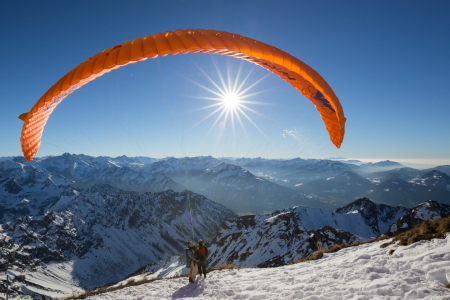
point(417, 271)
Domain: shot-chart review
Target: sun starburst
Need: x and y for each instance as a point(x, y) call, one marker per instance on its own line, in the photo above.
point(231, 97)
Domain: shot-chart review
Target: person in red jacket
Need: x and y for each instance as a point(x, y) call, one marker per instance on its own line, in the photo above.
point(201, 253)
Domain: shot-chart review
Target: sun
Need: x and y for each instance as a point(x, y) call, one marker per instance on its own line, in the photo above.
point(231, 100)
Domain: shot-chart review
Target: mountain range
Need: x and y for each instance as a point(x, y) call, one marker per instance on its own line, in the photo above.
point(404, 186)
point(75, 221)
point(102, 234)
point(243, 185)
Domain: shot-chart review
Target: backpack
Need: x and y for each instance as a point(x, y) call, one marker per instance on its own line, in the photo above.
point(201, 252)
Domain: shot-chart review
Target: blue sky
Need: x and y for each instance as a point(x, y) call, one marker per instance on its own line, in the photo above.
point(387, 61)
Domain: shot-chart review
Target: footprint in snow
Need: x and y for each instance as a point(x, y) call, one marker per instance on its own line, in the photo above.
point(373, 276)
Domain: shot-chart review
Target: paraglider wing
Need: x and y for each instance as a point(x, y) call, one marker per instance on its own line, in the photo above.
point(289, 68)
point(23, 116)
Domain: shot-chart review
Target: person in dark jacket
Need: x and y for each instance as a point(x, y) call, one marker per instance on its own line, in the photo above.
point(194, 262)
point(201, 253)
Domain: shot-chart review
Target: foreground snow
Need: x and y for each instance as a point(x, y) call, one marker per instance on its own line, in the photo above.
point(366, 272)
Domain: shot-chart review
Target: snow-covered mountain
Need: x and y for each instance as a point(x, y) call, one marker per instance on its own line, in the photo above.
point(75, 220)
point(102, 234)
point(291, 234)
point(121, 172)
point(396, 191)
point(434, 178)
point(344, 186)
point(293, 171)
point(231, 185)
point(428, 210)
point(2, 158)
point(183, 168)
point(323, 183)
point(27, 190)
point(378, 217)
point(222, 182)
point(405, 186)
point(365, 270)
point(444, 168)
point(145, 160)
point(379, 166)
point(241, 191)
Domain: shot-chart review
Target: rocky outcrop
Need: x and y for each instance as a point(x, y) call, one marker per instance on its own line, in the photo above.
point(426, 211)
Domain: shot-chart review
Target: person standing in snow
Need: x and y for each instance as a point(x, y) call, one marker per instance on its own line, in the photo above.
point(201, 253)
point(194, 262)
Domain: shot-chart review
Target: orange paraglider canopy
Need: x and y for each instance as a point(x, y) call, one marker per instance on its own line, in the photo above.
point(289, 68)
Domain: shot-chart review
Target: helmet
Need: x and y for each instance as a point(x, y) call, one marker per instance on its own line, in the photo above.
point(189, 243)
point(200, 241)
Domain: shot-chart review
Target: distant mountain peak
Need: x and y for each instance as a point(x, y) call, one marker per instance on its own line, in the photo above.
point(434, 173)
point(358, 204)
point(348, 175)
point(19, 159)
point(384, 163)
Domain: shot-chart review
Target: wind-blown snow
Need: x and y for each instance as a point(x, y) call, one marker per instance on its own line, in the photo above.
point(366, 272)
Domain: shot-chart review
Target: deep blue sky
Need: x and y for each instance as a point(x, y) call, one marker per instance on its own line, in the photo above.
point(387, 61)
